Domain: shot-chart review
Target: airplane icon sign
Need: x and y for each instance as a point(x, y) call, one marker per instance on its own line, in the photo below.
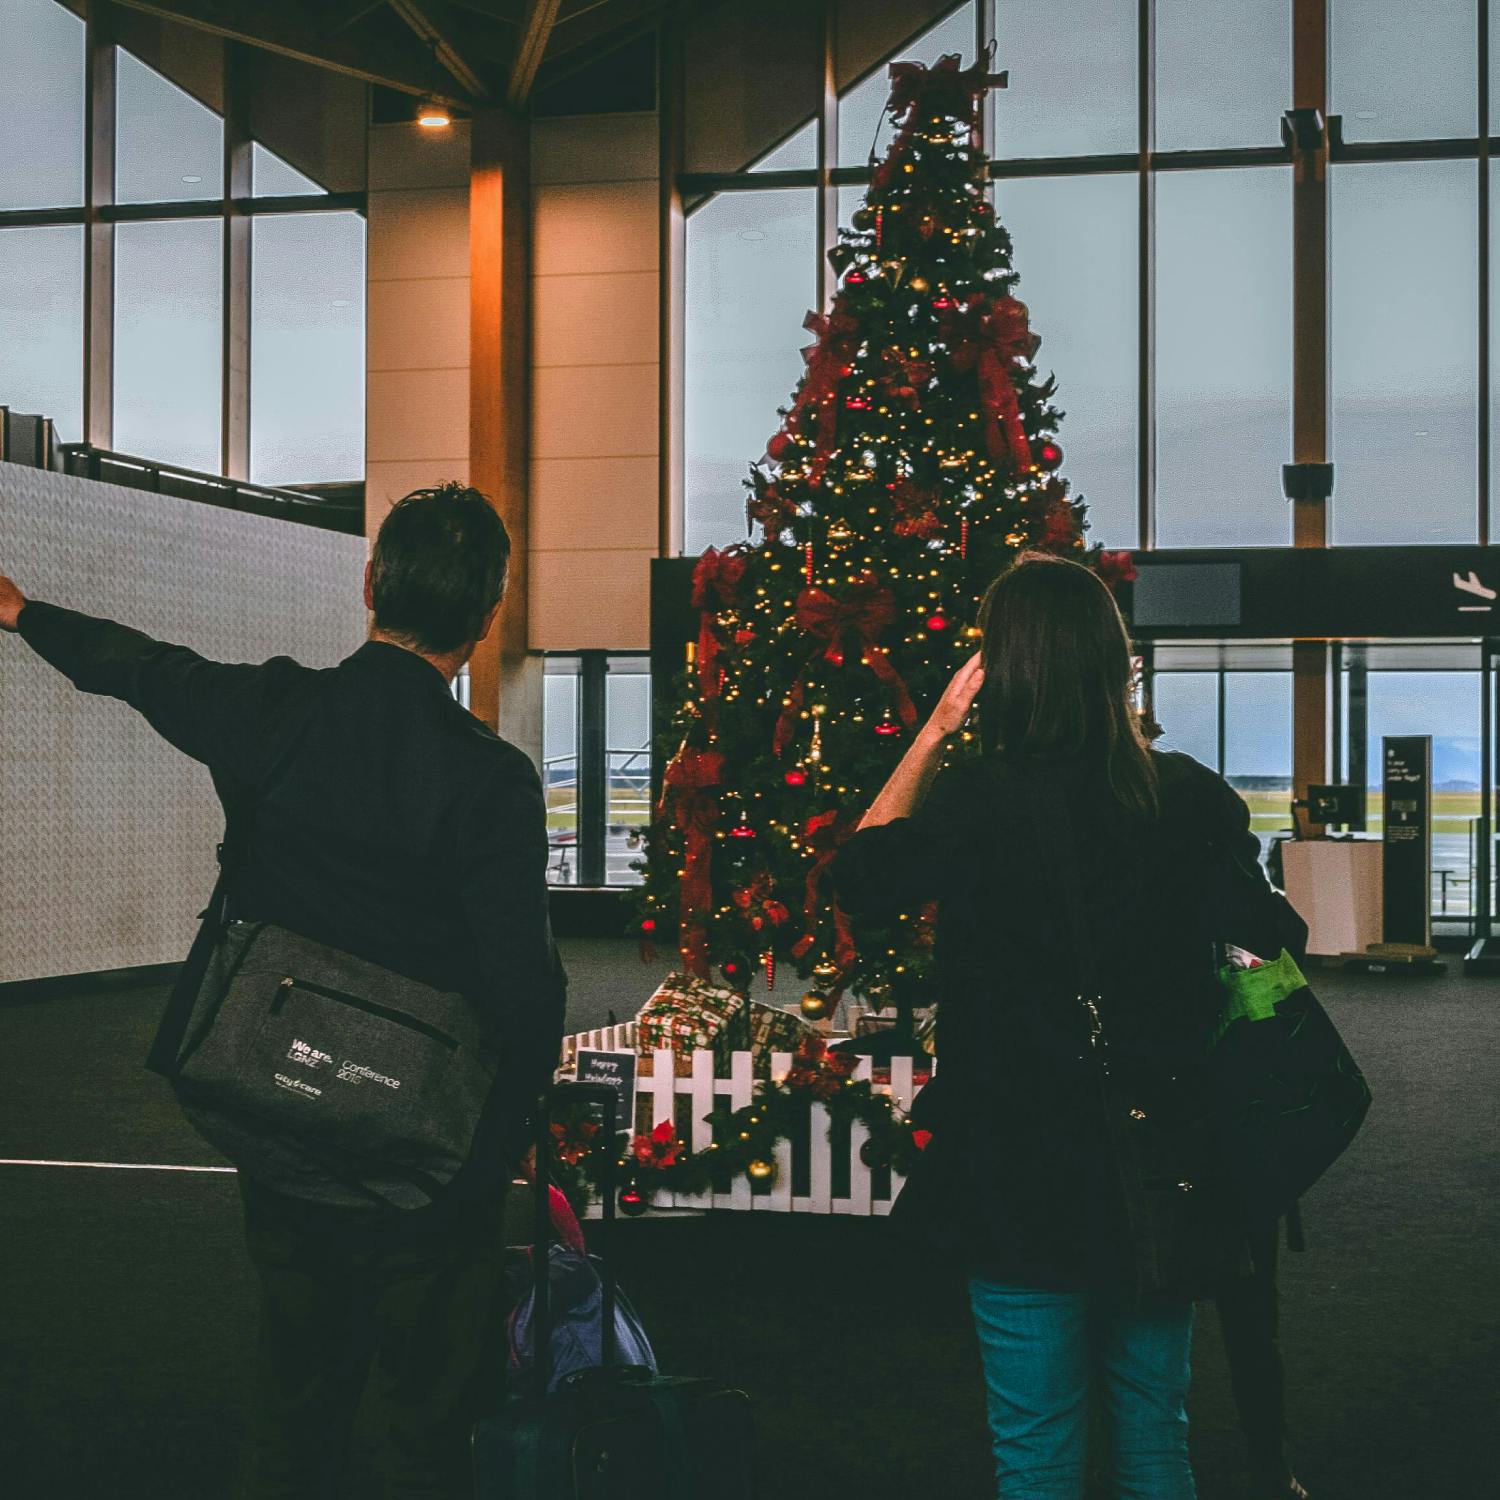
point(1470, 584)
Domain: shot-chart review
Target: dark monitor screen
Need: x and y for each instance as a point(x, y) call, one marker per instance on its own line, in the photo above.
point(1187, 594)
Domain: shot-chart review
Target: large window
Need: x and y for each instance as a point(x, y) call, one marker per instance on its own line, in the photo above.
point(201, 270)
point(1160, 272)
point(596, 766)
point(1231, 708)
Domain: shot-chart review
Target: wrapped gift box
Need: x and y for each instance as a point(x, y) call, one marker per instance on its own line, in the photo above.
point(686, 1014)
point(774, 1030)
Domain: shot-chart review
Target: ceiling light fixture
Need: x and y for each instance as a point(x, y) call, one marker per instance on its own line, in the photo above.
point(433, 114)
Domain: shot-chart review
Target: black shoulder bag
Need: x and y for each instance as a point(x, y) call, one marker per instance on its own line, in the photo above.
point(320, 1074)
point(1159, 1131)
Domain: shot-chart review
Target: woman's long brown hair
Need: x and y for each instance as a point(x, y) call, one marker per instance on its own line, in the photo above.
point(1057, 676)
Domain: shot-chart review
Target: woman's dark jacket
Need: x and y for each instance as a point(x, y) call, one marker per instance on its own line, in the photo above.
point(1019, 1173)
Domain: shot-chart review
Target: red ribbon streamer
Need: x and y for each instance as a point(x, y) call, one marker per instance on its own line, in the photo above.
point(988, 341)
point(827, 364)
point(691, 778)
point(716, 583)
point(824, 833)
point(911, 81)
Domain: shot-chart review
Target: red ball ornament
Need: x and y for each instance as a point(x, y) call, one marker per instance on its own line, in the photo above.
point(1049, 456)
point(649, 925)
point(942, 304)
point(887, 726)
point(857, 403)
point(742, 831)
point(795, 777)
point(936, 622)
point(777, 447)
point(854, 278)
point(632, 1202)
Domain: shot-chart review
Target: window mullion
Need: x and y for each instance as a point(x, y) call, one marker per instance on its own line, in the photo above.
point(99, 234)
point(234, 452)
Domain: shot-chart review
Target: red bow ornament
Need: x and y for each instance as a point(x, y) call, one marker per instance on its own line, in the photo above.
point(758, 904)
point(860, 612)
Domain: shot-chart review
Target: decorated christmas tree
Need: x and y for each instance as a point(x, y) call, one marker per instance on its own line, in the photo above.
point(917, 456)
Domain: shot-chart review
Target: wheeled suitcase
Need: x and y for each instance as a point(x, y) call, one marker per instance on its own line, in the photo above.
point(614, 1433)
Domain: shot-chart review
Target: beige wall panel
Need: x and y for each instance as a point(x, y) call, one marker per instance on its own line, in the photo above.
point(416, 414)
point(387, 482)
point(595, 319)
point(593, 503)
point(594, 413)
point(407, 156)
point(609, 226)
point(417, 324)
point(595, 148)
point(418, 232)
point(591, 601)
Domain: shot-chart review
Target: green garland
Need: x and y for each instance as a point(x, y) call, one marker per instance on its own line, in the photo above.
point(744, 1140)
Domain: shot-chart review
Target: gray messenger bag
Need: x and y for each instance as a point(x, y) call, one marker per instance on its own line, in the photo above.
point(321, 1075)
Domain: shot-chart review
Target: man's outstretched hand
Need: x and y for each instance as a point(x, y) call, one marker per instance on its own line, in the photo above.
point(11, 601)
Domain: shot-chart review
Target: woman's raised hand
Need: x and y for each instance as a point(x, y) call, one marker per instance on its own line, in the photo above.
point(958, 697)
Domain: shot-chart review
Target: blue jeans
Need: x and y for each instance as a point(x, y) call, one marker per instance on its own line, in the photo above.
point(1043, 1350)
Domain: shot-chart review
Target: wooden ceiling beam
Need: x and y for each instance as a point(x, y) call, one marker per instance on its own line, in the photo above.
point(439, 38)
point(284, 28)
point(536, 30)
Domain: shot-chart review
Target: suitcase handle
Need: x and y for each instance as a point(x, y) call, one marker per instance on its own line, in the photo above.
point(541, 1257)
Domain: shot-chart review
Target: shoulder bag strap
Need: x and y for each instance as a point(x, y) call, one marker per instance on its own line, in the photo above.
point(166, 1046)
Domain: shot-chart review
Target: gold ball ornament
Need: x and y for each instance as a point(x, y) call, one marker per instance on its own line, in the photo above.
point(760, 1170)
point(814, 1006)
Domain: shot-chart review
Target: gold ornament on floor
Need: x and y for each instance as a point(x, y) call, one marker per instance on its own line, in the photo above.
point(760, 1170)
point(814, 1006)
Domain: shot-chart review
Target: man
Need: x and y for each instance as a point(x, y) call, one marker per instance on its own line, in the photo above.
point(385, 821)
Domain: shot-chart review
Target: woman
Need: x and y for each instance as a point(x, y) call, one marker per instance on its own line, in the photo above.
point(1069, 859)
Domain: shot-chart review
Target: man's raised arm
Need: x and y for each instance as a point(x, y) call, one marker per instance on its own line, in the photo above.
point(207, 709)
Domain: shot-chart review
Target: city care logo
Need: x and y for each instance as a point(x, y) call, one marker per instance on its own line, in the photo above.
point(353, 1072)
point(297, 1086)
point(308, 1056)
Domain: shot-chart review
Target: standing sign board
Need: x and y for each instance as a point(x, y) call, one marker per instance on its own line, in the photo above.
point(1408, 839)
point(617, 1069)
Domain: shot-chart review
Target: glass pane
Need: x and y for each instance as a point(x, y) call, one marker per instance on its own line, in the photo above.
point(1446, 706)
point(307, 348)
point(1223, 73)
point(864, 132)
point(751, 263)
point(1258, 747)
point(41, 105)
point(41, 324)
point(1405, 380)
point(170, 146)
point(168, 344)
point(1223, 357)
point(799, 151)
point(1072, 77)
point(1075, 246)
point(627, 738)
point(1186, 705)
point(270, 177)
point(560, 774)
point(1399, 72)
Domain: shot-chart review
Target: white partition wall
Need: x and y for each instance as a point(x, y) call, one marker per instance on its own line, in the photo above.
point(106, 832)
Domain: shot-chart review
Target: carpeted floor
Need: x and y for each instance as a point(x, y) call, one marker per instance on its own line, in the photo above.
point(127, 1309)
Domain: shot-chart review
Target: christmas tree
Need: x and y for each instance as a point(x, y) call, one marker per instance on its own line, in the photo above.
point(917, 456)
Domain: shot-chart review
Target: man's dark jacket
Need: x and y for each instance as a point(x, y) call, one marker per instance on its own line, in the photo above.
point(386, 820)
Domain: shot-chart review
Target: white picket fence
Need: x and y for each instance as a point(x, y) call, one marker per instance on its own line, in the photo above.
point(657, 1099)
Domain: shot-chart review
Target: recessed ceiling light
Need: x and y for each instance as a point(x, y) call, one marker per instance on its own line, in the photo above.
point(1366, 114)
point(341, 302)
point(752, 234)
point(189, 177)
point(433, 114)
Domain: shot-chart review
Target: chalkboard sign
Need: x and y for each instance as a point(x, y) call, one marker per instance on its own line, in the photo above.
point(1408, 839)
point(617, 1069)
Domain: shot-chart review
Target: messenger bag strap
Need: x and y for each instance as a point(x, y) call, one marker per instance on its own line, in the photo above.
point(166, 1047)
